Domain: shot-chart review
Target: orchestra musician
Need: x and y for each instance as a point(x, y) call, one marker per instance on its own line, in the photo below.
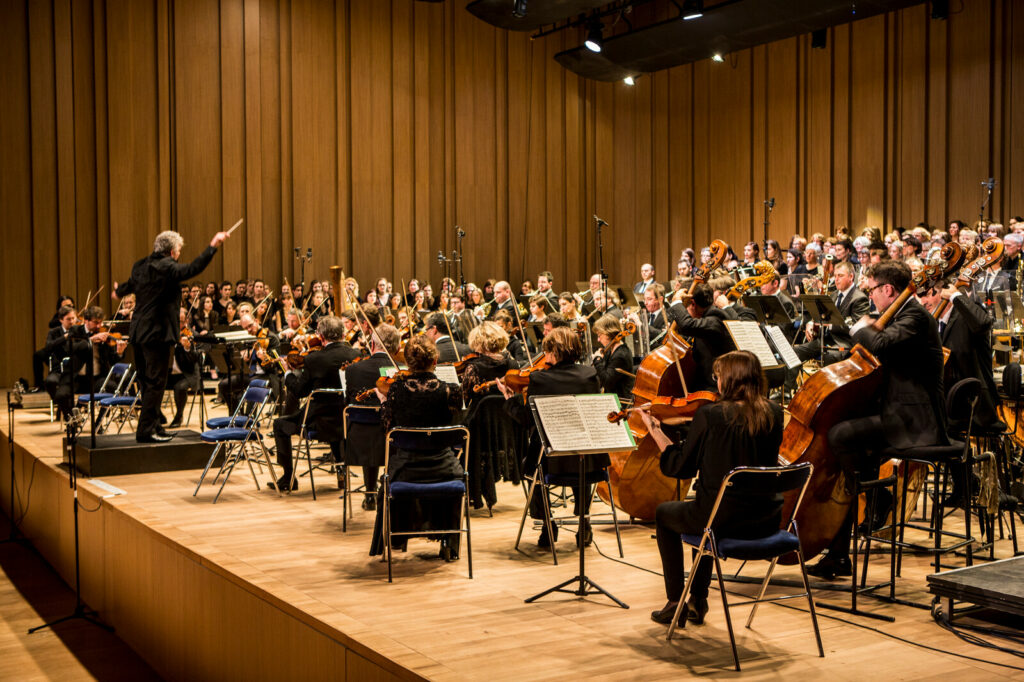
point(319, 370)
point(41, 357)
point(700, 319)
point(365, 444)
point(742, 429)
point(545, 280)
point(184, 374)
point(646, 279)
point(852, 303)
point(503, 300)
point(562, 350)
point(154, 330)
point(448, 349)
point(613, 361)
point(911, 410)
point(420, 399)
point(253, 357)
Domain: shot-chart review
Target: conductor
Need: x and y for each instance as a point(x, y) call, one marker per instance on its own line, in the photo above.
point(156, 283)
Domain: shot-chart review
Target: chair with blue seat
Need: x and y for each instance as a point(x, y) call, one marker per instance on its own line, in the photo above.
point(123, 406)
point(427, 439)
point(239, 442)
point(740, 482)
point(111, 385)
point(241, 417)
point(363, 415)
point(308, 435)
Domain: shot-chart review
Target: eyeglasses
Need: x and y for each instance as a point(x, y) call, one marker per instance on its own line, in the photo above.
point(872, 289)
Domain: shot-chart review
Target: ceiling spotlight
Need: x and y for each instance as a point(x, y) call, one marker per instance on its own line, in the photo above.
point(519, 8)
point(629, 80)
point(595, 36)
point(693, 9)
point(717, 58)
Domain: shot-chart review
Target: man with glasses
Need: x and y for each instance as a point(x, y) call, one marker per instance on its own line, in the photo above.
point(910, 410)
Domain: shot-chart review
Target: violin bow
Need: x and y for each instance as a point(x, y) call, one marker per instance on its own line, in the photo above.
point(522, 332)
point(444, 314)
point(672, 349)
point(373, 331)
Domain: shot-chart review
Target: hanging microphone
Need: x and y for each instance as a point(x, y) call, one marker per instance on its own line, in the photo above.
point(440, 257)
point(600, 222)
point(459, 232)
point(989, 184)
point(309, 253)
point(770, 203)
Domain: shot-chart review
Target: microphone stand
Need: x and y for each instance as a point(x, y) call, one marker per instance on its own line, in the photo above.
point(15, 534)
point(459, 268)
point(81, 611)
point(769, 204)
point(600, 260)
point(989, 185)
point(303, 259)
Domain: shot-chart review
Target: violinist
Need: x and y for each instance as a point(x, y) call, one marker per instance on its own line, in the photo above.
point(291, 328)
point(741, 429)
point(419, 399)
point(58, 380)
point(562, 350)
point(515, 342)
point(320, 370)
point(911, 409)
point(448, 350)
point(124, 314)
point(184, 375)
point(154, 330)
point(700, 319)
point(41, 357)
point(365, 444)
point(462, 319)
point(254, 358)
point(488, 342)
point(613, 361)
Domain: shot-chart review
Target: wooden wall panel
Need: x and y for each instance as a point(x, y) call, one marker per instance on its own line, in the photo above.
point(369, 130)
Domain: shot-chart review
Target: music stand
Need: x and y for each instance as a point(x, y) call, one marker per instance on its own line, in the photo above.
point(587, 427)
point(822, 310)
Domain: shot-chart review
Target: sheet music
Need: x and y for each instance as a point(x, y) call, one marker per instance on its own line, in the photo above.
point(747, 336)
point(579, 424)
point(782, 345)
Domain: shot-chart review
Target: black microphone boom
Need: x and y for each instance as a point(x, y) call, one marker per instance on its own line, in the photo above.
point(600, 222)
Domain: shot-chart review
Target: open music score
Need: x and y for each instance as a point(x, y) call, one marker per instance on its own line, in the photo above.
point(578, 424)
point(782, 346)
point(747, 336)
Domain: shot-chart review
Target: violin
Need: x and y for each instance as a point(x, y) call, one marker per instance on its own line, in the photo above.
point(383, 385)
point(307, 344)
point(518, 380)
point(463, 364)
point(668, 409)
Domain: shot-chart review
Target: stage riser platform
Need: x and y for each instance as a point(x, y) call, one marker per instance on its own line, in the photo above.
point(119, 454)
point(187, 615)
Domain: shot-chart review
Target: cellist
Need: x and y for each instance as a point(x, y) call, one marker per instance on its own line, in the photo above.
point(910, 411)
point(698, 317)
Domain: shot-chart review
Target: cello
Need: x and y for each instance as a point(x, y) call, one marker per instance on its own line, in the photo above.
point(836, 393)
point(635, 476)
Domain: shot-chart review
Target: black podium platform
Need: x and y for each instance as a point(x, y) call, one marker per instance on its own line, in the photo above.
point(998, 585)
point(120, 454)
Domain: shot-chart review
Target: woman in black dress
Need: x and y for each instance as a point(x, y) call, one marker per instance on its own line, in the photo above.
point(419, 399)
point(612, 357)
point(742, 429)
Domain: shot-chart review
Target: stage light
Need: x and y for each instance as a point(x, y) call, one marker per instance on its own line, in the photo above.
point(819, 39)
point(717, 58)
point(595, 36)
point(693, 9)
point(519, 8)
point(629, 80)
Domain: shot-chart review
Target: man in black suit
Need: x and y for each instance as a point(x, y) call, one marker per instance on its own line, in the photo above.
point(545, 280)
point(733, 309)
point(771, 288)
point(87, 343)
point(852, 303)
point(435, 329)
point(323, 414)
point(230, 392)
point(562, 349)
point(911, 410)
point(155, 281)
point(646, 279)
point(365, 443)
point(503, 300)
point(701, 320)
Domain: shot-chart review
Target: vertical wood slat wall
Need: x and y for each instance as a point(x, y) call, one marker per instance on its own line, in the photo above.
point(368, 130)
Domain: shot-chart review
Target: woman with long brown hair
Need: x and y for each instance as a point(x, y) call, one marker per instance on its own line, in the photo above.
point(742, 429)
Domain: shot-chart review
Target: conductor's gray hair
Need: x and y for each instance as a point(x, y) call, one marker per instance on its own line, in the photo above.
point(167, 241)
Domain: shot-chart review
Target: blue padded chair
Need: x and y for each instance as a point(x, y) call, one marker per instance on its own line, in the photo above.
point(425, 439)
point(111, 385)
point(737, 483)
point(239, 442)
point(354, 414)
point(122, 406)
point(241, 417)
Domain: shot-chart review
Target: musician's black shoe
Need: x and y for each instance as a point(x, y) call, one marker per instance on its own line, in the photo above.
point(282, 484)
point(544, 540)
point(152, 438)
point(830, 569)
point(34, 389)
point(176, 424)
point(664, 616)
point(370, 502)
point(696, 609)
point(586, 538)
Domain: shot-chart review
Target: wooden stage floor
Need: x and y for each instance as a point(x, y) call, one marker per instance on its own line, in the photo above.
point(288, 558)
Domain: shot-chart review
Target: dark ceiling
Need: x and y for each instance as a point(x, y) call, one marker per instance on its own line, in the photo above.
point(726, 27)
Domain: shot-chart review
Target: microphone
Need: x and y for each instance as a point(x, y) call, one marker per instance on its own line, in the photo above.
point(309, 253)
point(459, 232)
point(770, 203)
point(600, 222)
point(440, 257)
point(989, 184)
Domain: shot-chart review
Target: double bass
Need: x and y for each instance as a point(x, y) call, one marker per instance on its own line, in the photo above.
point(635, 476)
point(837, 392)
